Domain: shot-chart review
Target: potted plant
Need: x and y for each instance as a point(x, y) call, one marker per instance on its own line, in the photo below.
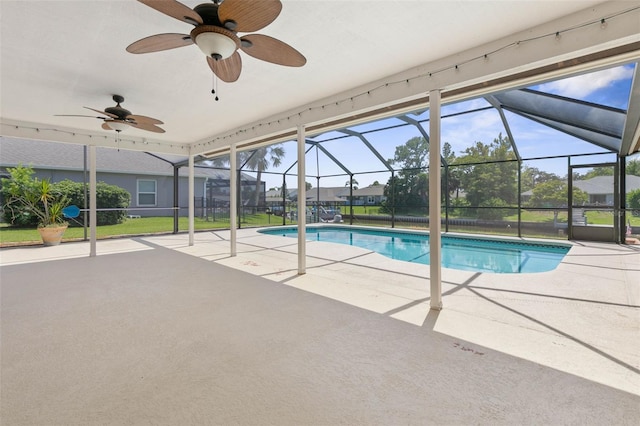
point(29, 199)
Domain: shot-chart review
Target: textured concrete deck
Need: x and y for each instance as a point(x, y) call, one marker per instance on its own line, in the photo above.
point(155, 331)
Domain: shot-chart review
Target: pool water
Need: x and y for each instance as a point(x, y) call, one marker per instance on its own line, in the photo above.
point(469, 254)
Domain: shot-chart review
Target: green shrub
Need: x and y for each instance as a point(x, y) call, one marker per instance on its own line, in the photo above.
point(29, 201)
point(492, 209)
point(107, 196)
point(633, 202)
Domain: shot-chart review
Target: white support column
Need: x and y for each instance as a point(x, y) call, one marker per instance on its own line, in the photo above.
point(191, 200)
point(435, 201)
point(93, 215)
point(302, 204)
point(233, 198)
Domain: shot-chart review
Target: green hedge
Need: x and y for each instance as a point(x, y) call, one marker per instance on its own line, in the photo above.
point(633, 202)
point(107, 196)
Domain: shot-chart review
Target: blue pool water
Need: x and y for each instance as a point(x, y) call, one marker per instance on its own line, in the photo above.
point(466, 253)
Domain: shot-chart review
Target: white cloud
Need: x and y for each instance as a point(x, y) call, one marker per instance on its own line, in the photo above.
point(584, 85)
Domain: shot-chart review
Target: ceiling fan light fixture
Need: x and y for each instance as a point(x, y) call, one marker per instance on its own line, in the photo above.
point(118, 126)
point(215, 42)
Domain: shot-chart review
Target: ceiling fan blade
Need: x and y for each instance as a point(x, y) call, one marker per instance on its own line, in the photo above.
point(159, 42)
point(106, 126)
point(76, 115)
point(143, 119)
point(108, 114)
point(273, 50)
point(147, 126)
point(175, 10)
point(249, 15)
point(227, 70)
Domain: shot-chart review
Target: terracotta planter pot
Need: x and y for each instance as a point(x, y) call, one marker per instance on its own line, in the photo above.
point(52, 235)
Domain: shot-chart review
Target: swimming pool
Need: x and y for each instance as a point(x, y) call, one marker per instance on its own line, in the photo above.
point(465, 253)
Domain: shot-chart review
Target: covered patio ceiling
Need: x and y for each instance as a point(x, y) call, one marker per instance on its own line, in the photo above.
point(365, 60)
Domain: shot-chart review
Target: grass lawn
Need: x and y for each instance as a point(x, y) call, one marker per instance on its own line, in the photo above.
point(151, 225)
point(140, 226)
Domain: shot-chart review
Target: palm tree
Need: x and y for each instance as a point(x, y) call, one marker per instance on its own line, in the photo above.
point(257, 160)
point(355, 184)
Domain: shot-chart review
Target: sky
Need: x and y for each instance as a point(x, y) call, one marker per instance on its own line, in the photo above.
point(608, 87)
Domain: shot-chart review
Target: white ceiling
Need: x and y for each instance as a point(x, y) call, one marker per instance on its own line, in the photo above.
point(58, 56)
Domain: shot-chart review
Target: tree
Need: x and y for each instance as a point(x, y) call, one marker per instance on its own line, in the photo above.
point(597, 171)
point(412, 155)
point(487, 176)
point(633, 168)
point(453, 173)
point(633, 202)
point(555, 193)
point(355, 184)
point(409, 189)
point(258, 160)
point(532, 176)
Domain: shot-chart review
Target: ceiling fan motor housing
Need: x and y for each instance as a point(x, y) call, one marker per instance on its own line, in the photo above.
point(119, 111)
point(209, 13)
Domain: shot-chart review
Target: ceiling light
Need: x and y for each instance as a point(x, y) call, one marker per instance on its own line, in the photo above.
point(118, 126)
point(215, 42)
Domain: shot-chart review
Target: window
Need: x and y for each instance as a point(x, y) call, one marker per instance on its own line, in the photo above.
point(147, 192)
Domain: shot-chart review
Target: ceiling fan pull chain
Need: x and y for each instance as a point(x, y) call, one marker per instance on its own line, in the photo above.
point(215, 86)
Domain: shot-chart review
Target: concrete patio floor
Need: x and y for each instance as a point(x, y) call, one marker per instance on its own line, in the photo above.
point(154, 331)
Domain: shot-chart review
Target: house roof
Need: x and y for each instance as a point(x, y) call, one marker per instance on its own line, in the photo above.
point(327, 194)
point(604, 184)
point(372, 190)
point(324, 194)
point(600, 185)
point(62, 156)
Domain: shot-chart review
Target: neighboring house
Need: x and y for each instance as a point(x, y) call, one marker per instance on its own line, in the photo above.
point(599, 189)
point(337, 195)
point(147, 178)
point(273, 197)
point(330, 199)
point(324, 195)
point(372, 195)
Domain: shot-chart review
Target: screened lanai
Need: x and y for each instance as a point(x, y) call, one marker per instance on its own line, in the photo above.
point(538, 135)
point(528, 136)
point(432, 117)
point(447, 82)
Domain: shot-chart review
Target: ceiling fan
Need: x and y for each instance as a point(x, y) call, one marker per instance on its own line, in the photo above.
point(215, 33)
point(119, 119)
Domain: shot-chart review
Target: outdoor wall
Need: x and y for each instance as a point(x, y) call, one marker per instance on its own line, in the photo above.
point(164, 198)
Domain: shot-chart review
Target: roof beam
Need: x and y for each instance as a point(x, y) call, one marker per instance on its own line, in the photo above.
point(328, 154)
point(371, 148)
point(34, 131)
point(631, 132)
point(494, 102)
